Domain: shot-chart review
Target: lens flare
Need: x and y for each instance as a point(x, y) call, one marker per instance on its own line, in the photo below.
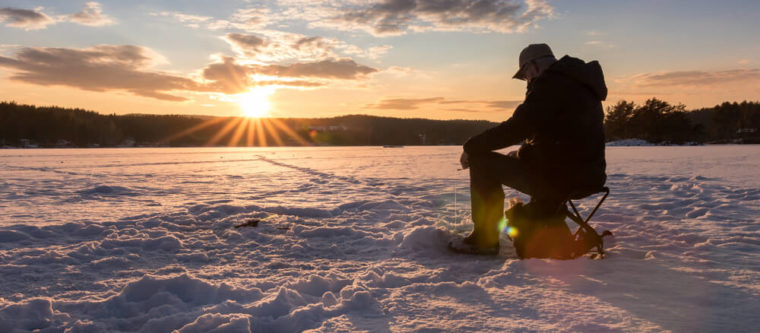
point(512, 232)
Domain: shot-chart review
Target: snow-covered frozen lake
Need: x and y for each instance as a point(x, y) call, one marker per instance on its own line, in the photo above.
point(353, 239)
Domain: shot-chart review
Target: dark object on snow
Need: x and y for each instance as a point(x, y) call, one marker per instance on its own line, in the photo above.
point(468, 246)
point(249, 223)
point(536, 234)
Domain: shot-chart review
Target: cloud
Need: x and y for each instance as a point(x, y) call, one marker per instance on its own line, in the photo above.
point(25, 18)
point(231, 77)
point(331, 69)
point(315, 55)
point(242, 19)
point(503, 104)
point(127, 68)
point(228, 76)
point(279, 46)
point(601, 44)
point(252, 18)
point(92, 15)
point(184, 18)
point(99, 68)
point(269, 45)
point(595, 33)
point(696, 78)
point(193, 21)
point(247, 44)
point(403, 103)
point(373, 52)
point(415, 103)
point(396, 17)
point(319, 43)
point(386, 17)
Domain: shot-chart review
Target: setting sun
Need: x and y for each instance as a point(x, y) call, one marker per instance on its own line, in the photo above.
point(255, 103)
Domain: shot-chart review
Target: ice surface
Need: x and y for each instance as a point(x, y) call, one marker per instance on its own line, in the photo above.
point(354, 239)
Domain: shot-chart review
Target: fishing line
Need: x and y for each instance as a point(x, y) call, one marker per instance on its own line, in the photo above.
point(456, 208)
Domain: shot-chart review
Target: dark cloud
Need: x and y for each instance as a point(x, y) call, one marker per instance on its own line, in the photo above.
point(310, 42)
point(399, 16)
point(278, 46)
point(230, 77)
point(315, 45)
point(328, 69)
point(502, 104)
point(414, 103)
point(25, 18)
point(697, 78)
point(91, 15)
point(125, 67)
point(99, 68)
point(247, 43)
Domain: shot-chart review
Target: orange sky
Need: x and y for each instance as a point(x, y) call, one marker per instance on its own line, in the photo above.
point(293, 58)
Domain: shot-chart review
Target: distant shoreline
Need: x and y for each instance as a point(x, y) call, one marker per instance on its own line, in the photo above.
point(626, 124)
point(363, 146)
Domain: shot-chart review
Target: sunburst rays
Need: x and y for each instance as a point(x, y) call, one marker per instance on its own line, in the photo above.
point(244, 131)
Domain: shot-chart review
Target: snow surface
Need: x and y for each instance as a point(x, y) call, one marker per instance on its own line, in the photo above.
point(353, 239)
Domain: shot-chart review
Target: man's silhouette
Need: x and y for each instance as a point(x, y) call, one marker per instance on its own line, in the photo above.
point(562, 151)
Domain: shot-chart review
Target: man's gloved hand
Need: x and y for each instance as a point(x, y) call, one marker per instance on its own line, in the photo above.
point(464, 160)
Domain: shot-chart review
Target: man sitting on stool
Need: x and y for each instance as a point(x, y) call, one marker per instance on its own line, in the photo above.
point(560, 127)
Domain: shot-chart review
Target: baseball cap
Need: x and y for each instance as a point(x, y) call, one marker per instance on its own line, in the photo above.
point(530, 53)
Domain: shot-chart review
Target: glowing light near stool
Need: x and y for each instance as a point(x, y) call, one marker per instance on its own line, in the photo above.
point(502, 224)
point(512, 232)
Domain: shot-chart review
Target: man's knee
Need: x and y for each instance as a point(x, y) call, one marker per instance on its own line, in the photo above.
point(485, 160)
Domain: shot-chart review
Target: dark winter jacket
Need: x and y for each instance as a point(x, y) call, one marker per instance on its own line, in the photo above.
point(560, 125)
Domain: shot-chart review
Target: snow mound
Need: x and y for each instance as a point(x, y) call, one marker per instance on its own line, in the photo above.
point(7, 236)
point(30, 315)
point(218, 323)
point(104, 190)
point(165, 304)
point(180, 290)
point(423, 238)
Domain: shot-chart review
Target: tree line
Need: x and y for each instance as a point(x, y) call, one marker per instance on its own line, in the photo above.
point(658, 121)
point(655, 120)
point(25, 125)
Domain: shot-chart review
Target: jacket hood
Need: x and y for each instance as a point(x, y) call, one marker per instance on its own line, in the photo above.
point(589, 74)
